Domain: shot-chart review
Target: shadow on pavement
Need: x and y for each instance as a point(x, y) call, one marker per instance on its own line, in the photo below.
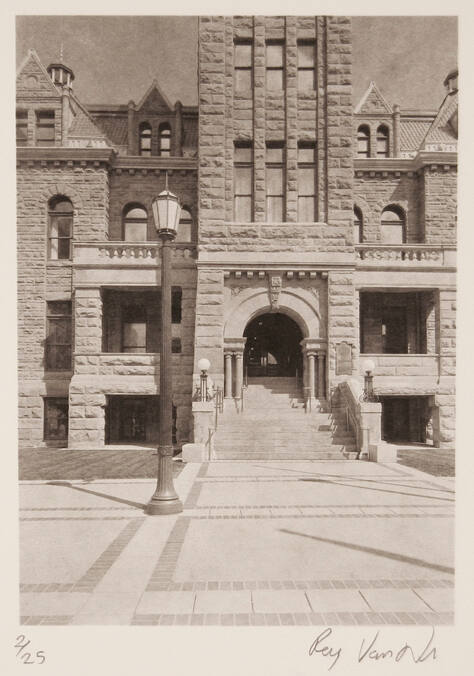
point(114, 498)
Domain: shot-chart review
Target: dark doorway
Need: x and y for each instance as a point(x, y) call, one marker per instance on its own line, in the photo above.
point(132, 420)
point(273, 346)
point(405, 419)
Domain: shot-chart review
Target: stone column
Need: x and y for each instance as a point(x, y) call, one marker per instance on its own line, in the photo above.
point(321, 388)
point(311, 374)
point(239, 373)
point(228, 375)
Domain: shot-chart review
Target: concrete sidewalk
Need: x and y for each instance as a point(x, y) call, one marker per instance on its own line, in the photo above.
point(260, 543)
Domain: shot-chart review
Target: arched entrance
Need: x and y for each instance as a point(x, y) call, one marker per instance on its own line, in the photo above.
point(273, 346)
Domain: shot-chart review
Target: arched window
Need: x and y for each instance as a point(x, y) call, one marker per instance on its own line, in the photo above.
point(382, 141)
point(165, 140)
point(185, 226)
point(357, 225)
point(60, 215)
point(363, 141)
point(392, 226)
point(145, 139)
point(135, 220)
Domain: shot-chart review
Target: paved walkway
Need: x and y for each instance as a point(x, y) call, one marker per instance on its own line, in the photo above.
point(260, 543)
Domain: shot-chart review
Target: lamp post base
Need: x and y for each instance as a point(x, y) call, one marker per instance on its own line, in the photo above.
point(165, 499)
point(158, 506)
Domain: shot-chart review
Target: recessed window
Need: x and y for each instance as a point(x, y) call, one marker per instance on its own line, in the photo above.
point(45, 128)
point(357, 225)
point(21, 127)
point(306, 64)
point(134, 328)
point(58, 344)
point(275, 181)
point(176, 299)
point(243, 182)
point(164, 134)
point(60, 217)
point(392, 226)
point(176, 345)
point(306, 182)
point(275, 65)
point(56, 413)
point(185, 226)
point(135, 221)
point(145, 140)
point(382, 142)
point(243, 57)
point(363, 141)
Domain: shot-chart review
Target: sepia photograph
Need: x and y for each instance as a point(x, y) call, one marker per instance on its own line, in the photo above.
point(236, 307)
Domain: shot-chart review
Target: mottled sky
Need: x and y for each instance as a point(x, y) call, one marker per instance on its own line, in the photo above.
point(115, 58)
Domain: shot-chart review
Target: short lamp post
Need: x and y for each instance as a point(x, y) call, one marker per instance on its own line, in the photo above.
point(203, 366)
point(166, 211)
point(369, 368)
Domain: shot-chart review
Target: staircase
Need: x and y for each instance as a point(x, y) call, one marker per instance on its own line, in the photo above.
point(273, 425)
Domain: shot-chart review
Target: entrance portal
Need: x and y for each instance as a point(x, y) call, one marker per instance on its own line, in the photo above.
point(273, 346)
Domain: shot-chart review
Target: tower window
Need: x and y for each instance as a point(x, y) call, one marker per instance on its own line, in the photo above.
point(165, 140)
point(306, 64)
point(45, 127)
point(306, 182)
point(145, 140)
point(275, 65)
point(60, 229)
point(275, 181)
point(243, 182)
point(243, 57)
point(382, 141)
point(358, 224)
point(363, 141)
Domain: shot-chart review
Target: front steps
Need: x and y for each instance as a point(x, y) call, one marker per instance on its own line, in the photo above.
point(273, 425)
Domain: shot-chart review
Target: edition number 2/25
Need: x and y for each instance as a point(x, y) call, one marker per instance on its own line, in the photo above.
point(22, 644)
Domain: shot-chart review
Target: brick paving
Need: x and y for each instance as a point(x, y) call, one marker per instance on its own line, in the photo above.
point(180, 570)
point(435, 461)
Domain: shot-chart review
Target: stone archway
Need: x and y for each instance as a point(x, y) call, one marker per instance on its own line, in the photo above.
point(273, 346)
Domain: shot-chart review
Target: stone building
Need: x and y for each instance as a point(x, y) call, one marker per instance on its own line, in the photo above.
point(313, 236)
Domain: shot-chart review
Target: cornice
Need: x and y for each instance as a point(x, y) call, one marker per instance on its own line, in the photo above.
point(398, 165)
point(74, 155)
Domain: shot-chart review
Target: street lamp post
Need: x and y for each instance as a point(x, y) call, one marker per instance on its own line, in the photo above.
point(369, 368)
point(165, 500)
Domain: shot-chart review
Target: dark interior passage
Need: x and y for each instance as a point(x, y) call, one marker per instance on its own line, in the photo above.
point(273, 346)
point(405, 419)
point(134, 419)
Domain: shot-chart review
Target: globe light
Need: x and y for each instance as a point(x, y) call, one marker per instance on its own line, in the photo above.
point(204, 364)
point(368, 366)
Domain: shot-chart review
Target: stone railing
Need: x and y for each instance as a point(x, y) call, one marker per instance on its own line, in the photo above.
point(405, 255)
point(131, 253)
point(402, 364)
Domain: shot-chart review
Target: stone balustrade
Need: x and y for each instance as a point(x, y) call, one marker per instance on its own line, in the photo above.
point(126, 253)
point(405, 255)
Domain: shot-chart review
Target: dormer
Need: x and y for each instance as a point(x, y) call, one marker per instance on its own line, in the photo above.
point(376, 126)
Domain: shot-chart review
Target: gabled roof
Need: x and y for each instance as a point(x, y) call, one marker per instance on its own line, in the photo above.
point(154, 100)
point(83, 126)
point(412, 133)
point(32, 77)
point(441, 132)
point(373, 101)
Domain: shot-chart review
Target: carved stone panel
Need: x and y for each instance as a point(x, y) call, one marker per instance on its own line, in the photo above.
point(343, 359)
point(275, 289)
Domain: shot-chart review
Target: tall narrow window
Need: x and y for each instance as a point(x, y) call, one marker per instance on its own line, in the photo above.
point(243, 182)
point(56, 413)
point(306, 183)
point(382, 141)
point(165, 140)
point(135, 222)
point(145, 139)
point(363, 141)
point(21, 127)
point(392, 227)
point(275, 64)
point(357, 225)
point(185, 226)
point(275, 181)
point(176, 299)
point(45, 127)
point(60, 228)
point(243, 65)
point(306, 64)
point(58, 342)
point(134, 324)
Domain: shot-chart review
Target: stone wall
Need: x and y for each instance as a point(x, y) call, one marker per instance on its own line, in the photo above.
point(439, 185)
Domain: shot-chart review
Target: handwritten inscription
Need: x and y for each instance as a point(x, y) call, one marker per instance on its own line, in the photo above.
point(24, 651)
point(372, 650)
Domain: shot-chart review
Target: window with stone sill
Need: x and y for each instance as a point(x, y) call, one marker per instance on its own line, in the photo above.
point(185, 226)
point(306, 64)
point(363, 141)
point(306, 182)
point(60, 217)
point(56, 414)
point(135, 222)
point(275, 65)
point(392, 226)
point(21, 127)
point(382, 141)
point(58, 344)
point(275, 180)
point(145, 139)
point(243, 182)
point(243, 60)
point(358, 224)
point(45, 128)
point(164, 138)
